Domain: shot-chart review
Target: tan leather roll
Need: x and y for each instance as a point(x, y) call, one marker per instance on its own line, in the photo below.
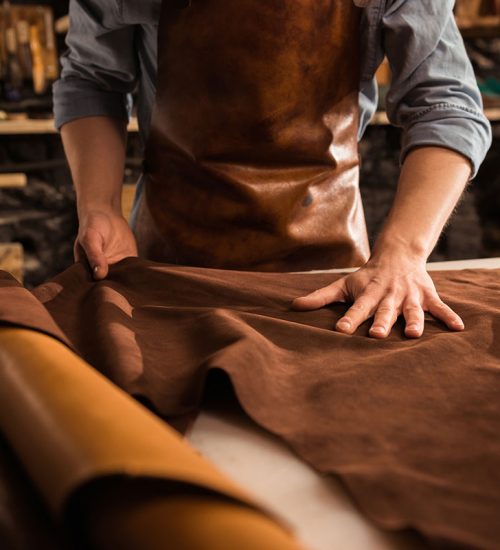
point(90, 448)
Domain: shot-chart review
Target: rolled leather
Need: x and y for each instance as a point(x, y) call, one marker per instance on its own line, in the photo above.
point(113, 472)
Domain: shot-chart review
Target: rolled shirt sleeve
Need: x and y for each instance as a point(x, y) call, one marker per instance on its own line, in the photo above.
point(434, 95)
point(99, 67)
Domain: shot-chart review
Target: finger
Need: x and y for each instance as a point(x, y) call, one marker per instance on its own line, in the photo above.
point(93, 246)
point(444, 313)
point(320, 298)
point(362, 309)
point(385, 317)
point(414, 318)
point(78, 252)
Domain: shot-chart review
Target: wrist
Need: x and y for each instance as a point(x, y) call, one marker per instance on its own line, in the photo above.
point(110, 207)
point(390, 246)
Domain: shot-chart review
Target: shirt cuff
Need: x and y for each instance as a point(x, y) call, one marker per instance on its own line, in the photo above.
point(78, 98)
point(461, 129)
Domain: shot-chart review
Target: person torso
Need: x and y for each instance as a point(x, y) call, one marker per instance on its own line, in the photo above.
point(251, 160)
point(144, 16)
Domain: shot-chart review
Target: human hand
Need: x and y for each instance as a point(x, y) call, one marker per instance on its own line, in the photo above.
point(384, 288)
point(104, 238)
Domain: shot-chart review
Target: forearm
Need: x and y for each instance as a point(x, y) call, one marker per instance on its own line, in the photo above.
point(430, 186)
point(95, 149)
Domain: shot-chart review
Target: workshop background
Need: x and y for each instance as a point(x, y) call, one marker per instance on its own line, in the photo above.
point(38, 221)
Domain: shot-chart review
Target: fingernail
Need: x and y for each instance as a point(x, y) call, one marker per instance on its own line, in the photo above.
point(344, 324)
point(412, 327)
point(379, 330)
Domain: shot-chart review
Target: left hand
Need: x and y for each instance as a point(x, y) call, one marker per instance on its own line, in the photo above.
point(385, 288)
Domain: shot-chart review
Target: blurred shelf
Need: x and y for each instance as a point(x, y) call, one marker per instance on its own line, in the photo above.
point(493, 114)
point(39, 126)
point(13, 180)
point(29, 126)
point(21, 127)
point(128, 194)
point(483, 27)
point(380, 119)
point(133, 125)
point(11, 259)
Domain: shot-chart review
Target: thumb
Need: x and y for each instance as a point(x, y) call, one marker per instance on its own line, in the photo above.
point(93, 245)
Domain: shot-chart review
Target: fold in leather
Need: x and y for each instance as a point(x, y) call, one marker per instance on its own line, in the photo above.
point(71, 429)
point(410, 425)
point(18, 308)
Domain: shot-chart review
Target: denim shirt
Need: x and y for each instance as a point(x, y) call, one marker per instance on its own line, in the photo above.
point(433, 94)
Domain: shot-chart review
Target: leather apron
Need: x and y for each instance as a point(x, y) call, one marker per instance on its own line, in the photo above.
point(252, 158)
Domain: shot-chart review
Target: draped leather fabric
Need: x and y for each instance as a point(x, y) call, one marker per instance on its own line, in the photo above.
point(410, 425)
point(252, 157)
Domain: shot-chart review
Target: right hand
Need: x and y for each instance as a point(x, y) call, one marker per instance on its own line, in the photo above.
point(104, 238)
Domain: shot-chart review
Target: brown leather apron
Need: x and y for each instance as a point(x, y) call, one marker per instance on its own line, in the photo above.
point(252, 159)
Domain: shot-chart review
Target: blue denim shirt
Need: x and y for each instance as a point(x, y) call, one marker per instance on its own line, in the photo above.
point(433, 95)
